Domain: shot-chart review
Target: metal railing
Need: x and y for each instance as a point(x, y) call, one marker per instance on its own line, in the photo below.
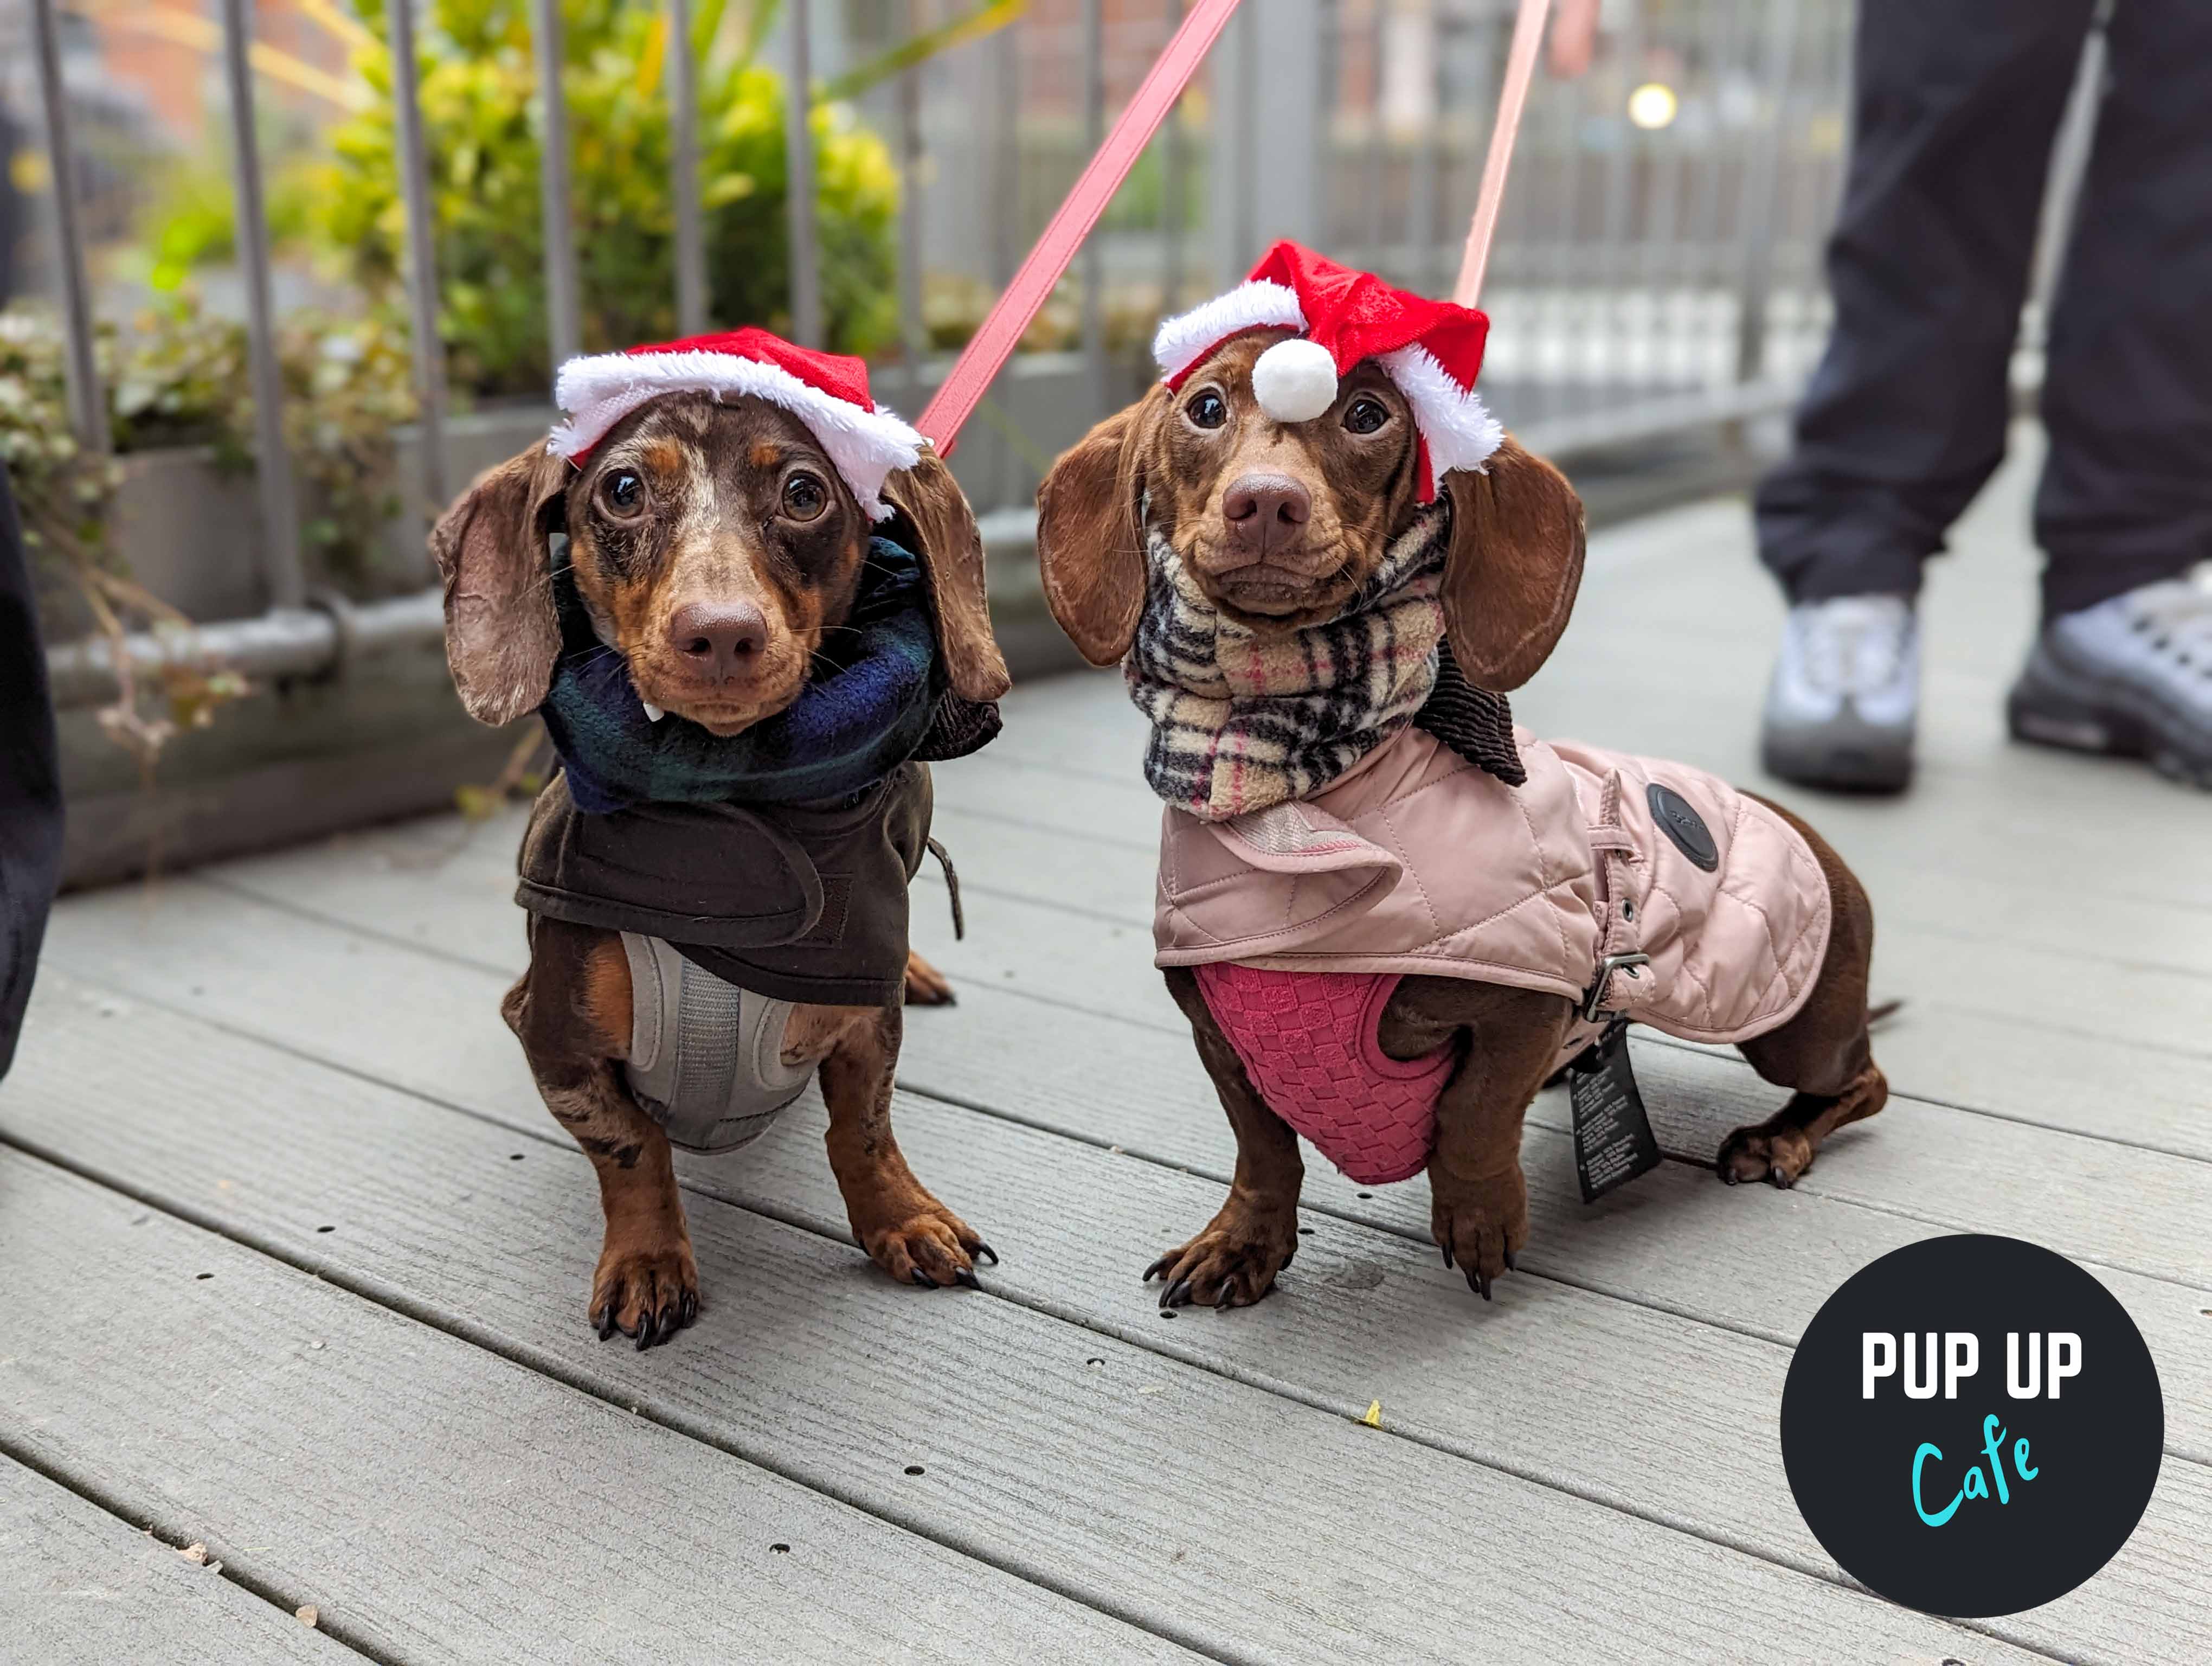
point(1656, 266)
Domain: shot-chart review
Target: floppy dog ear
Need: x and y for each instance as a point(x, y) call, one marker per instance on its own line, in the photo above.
point(941, 528)
point(1089, 543)
point(501, 637)
point(1515, 563)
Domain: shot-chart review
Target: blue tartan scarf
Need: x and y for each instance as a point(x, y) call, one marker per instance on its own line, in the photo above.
point(866, 710)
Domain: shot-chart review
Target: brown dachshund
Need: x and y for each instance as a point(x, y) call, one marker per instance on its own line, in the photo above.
point(1281, 525)
point(714, 545)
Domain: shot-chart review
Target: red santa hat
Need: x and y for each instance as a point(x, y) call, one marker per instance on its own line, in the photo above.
point(828, 392)
point(1431, 349)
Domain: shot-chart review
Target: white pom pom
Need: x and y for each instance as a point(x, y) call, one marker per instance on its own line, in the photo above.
point(1295, 380)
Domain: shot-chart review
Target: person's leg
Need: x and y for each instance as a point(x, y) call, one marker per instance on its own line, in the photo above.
point(2123, 663)
point(30, 785)
point(1954, 106)
point(2126, 496)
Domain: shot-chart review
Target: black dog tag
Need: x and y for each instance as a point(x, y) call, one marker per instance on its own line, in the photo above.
point(1613, 1142)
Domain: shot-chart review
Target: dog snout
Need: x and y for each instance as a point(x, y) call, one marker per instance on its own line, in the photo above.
point(1267, 514)
point(719, 641)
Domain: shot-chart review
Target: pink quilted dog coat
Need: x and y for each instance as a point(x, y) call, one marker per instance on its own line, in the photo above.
point(1413, 861)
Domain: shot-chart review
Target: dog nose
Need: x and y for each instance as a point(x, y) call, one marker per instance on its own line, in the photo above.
point(1265, 513)
point(720, 639)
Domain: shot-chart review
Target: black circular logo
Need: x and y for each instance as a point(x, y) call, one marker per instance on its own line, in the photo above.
point(1684, 825)
point(1971, 1425)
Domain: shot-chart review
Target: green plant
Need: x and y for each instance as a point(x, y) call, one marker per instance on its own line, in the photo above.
point(482, 126)
point(65, 493)
point(177, 377)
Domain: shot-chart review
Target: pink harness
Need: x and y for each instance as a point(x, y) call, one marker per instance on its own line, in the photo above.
point(1308, 1042)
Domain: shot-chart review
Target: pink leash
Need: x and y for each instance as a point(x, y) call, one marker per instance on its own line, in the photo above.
point(1512, 99)
point(991, 346)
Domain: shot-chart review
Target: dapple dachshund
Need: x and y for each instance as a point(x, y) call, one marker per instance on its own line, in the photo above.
point(716, 548)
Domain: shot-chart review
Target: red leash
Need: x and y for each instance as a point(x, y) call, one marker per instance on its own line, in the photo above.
point(989, 347)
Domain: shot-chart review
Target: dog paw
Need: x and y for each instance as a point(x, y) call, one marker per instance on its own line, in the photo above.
point(1232, 1263)
point(1479, 1226)
point(1777, 1155)
point(925, 985)
point(648, 1294)
point(934, 1248)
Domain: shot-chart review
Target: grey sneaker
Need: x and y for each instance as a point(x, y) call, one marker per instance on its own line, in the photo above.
point(1841, 709)
point(2132, 675)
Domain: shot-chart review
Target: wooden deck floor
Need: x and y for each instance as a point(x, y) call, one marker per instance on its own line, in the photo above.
point(294, 1262)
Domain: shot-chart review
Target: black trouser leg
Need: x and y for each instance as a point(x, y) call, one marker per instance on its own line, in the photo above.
point(1955, 103)
point(2126, 496)
point(30, 786)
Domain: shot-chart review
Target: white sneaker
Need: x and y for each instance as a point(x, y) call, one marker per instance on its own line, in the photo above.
point(2132, 675)
point(1842, 706)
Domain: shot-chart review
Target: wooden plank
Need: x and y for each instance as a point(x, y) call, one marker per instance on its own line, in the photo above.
point(79, 1587)
point(382, 1014)
point(1018, 827)
point(1047, 1451)
point(435, 1502)
point(2119, 969)
point(2141, 1210)
point(448, 889)
point(2133, 995)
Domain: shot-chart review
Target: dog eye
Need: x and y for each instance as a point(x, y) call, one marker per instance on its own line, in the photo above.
point(623, 493)
point(804, 497)
point(1207, 409)
point(1366, 415)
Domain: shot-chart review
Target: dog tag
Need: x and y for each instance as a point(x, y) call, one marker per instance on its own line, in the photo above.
point(1613, 1142)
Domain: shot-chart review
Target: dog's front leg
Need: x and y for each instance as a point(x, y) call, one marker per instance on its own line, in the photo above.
point(571, 1010)
point(1254, 1233)
point(1477, 1198)
point(904, 1229)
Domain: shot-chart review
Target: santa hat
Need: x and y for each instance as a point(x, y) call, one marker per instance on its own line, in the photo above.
point(1431, 349)
point(828, 392)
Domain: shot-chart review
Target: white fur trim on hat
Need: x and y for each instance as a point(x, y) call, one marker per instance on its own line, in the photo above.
point(1295, 380)
point(1182, 340)
point(1460, 432)
point(599, 391)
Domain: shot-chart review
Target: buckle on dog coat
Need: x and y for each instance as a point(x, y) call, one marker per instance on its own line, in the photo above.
point(1593, 1000)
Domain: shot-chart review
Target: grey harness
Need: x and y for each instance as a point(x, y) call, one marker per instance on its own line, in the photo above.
point(706, 1057)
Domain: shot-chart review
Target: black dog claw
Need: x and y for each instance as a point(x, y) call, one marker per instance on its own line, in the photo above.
point(966, 1277)
point(606, 1321)
point(1485, 1287)
point(1158, 1266)
point(983, 1249)
point(922, 1279)
point(1509, 1260)
point(1776, 1174)
point(1448, 1258)
point(1176, 1294)
point(1728, 1175)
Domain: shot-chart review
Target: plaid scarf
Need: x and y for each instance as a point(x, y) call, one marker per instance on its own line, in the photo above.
point(1239, 724)
point(876, 700)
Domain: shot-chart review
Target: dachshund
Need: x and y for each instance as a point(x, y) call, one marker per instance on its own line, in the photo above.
point(1280, 525)
point(714, 548)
